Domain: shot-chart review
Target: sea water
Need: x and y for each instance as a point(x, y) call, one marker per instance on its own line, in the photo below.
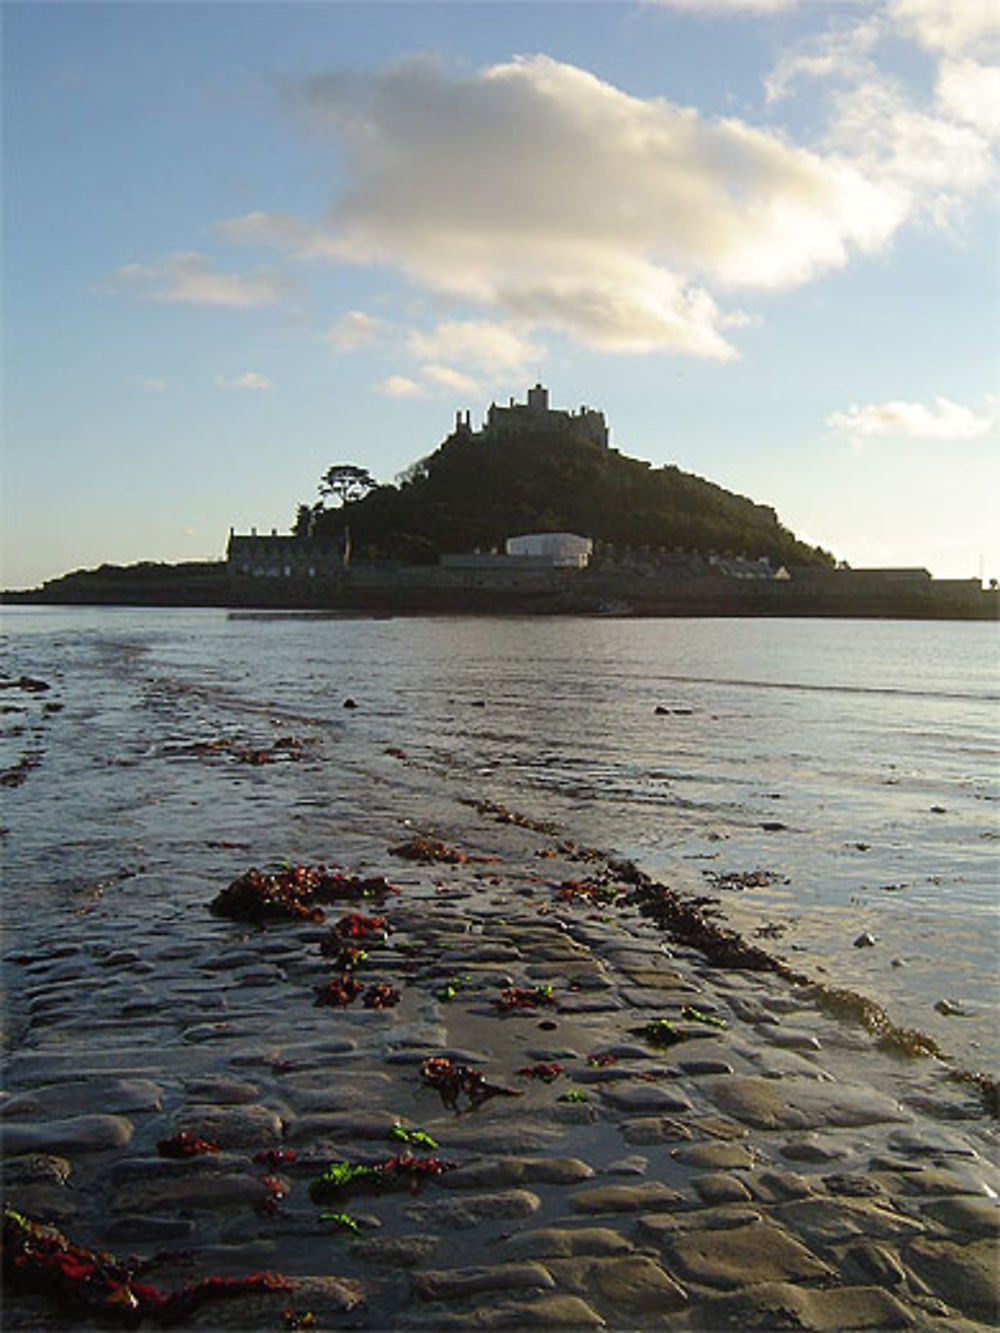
point(853, 763)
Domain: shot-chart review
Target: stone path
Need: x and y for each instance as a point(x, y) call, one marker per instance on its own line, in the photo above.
point(771, 1170)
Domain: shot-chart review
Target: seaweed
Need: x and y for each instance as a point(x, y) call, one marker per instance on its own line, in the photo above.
point(338, 992)
point(694, 1015)
point(184, 1144)
point(404, 1170)
point(592, 891)
point(574, 1096)
point(357, 927)
point(451, 987)
point(292, 893)
point(660, 1032)
point(513, 998)
point(82, 1282)
point(451, 1081)
point(428, 851)
point(272, 1157)
point(411, 1136)
point(547, 1073)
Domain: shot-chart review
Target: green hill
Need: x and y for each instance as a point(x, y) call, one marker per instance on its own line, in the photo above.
point(478, 488)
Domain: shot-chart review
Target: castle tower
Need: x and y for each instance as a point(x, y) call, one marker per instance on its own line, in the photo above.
point(538, 399)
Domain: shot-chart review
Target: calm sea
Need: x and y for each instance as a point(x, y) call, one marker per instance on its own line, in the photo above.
point(855, 762)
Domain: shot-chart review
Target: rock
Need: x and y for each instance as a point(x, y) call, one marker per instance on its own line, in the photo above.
point(641, 1096)
point(778, 1186)
point(458, 1283)
point(814, 1148)
point(801, 1103)
point(928, 1141)
point(36, 1169)
point(633, 1165)
point(978, 1216)
point(140, 1229)
point(188, 1190)
point(78, 1134)
point(774, 1305)
point(865, 940)
point(517, 1171)
point(822, 1222)
point(716, 1156)
point(720, 1187)
point(874, 1263)
point(546, 1313)
point(647, 1195)
point(565, 1242)
point(95, 1096)
point(648, 1130)
point(635, 1284)
point(468, 1210)
point(701, 1068)
point(962, 1275)
point(744, 1256)
point(250, 1126)
point(222, 1091)
point(396, 1251)
point(951, 1008)
point(793, 1039)
point(314, 1130)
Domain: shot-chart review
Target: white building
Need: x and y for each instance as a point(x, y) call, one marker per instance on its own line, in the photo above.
point(565, 549)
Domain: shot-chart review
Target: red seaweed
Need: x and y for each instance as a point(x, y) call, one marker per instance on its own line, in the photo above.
point(451, 1081)
point(338, 991)
point(292, 893)
point(513, 998)
point(185, 1144)
point(79, 1281)
point(548, 1073)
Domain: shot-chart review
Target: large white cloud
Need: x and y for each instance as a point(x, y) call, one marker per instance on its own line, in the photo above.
point(550, 197)
point(899, 419)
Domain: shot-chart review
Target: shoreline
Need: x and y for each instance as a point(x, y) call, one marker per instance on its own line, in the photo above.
point(779, 1162)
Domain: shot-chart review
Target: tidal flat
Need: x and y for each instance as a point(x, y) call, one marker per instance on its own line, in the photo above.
point(550, 1108)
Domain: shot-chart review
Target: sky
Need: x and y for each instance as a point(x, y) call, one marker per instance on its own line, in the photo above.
point(243, 242)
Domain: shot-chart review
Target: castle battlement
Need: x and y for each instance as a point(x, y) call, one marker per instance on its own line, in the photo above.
point(535, 415)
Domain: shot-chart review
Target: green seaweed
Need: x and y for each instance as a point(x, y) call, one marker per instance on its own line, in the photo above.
point(412, 1137)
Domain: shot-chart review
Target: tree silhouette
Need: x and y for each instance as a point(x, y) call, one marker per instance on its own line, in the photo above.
point(345, 483)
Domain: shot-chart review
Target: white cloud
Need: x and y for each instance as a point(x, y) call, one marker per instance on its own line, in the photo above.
point(150, 383)
point(353, 330)
point(399, 386)
point(188, 278)
point(535, 190)
point(931, 162)
point(970, 92)
point(953, 27)
point(480, 343)
point(447, 378)
point(940, 420)
point(250, 379)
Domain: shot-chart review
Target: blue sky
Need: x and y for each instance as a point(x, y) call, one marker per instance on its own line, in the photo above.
point(243, 242)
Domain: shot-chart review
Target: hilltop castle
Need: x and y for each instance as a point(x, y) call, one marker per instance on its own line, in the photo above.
point(535, 415)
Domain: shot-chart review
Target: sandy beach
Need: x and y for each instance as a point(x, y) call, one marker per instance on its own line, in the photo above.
point(751, 1161)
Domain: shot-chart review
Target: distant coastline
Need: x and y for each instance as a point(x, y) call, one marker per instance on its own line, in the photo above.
point(400, 589)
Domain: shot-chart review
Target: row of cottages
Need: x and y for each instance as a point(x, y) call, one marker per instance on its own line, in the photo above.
point(275, 557)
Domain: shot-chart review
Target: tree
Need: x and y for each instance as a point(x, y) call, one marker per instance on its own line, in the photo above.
point(305, 519)
point(345, 482)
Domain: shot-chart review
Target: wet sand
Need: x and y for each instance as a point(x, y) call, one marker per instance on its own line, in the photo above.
point(773, 1169)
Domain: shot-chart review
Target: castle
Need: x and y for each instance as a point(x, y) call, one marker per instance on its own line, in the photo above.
point(535, 415)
